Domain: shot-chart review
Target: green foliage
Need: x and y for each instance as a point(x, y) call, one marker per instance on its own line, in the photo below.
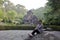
point(1, 1)
point(52, 16)
point(20, 9)
point(55, 27)
point(19, 27)
point(11, 15)
point(20, 15)
point(2, 27)
point(13, 12)
point(1, 15)
point(39, 13)
point(54, 4)
point(42, 13)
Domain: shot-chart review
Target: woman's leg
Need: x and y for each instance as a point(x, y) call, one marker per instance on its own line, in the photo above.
point(33, 32)
point(37, 32)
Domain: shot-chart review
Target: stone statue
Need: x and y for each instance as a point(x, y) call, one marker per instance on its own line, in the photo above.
point(30, 18)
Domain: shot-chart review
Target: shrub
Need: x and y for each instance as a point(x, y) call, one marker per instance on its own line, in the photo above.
point(2, 27)
point(55, 27)
point(17, 27)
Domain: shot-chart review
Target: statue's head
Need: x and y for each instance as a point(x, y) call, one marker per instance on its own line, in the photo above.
point(30, 12)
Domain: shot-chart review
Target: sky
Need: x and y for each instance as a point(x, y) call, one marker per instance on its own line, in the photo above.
point(30, 4)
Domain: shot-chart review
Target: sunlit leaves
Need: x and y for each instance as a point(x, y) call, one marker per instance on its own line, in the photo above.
point(1, 14)
point(11, 14)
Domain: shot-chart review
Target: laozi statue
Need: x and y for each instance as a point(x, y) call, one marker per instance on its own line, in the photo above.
point(30, 18)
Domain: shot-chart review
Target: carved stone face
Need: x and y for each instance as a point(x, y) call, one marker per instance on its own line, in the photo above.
point(30, 17)
point(30, 12)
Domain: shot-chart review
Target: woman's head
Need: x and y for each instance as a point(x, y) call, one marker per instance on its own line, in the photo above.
point(39, 22)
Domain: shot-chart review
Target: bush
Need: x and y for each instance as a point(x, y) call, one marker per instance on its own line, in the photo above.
point(2, 27)
point(19, 27)
point(55, 27)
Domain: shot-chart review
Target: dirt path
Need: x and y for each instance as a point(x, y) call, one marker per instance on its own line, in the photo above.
point(19, 34)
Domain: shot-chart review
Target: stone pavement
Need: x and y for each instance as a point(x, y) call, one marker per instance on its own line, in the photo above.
point(23, 34)
point(52, 35)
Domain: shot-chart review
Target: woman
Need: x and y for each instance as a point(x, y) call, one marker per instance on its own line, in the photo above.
point(38, 29)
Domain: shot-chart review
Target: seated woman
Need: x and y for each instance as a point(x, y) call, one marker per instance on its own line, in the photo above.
point(38, 29)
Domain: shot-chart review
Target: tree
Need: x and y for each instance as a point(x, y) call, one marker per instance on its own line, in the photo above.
point(1, 15)
point(11, 15)
point(20, 9)
point(11, 12)
point(54, 14)
point(8, 5)
point(1, 2)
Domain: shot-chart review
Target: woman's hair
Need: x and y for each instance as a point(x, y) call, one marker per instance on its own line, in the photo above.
point(39, 22)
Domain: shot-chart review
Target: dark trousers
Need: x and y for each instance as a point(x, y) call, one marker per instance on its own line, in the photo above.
point(35, 31)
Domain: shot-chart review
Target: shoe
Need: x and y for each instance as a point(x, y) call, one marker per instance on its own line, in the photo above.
point(30, 35)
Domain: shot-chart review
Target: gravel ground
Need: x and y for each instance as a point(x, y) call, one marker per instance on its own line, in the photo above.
point(23, 34)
